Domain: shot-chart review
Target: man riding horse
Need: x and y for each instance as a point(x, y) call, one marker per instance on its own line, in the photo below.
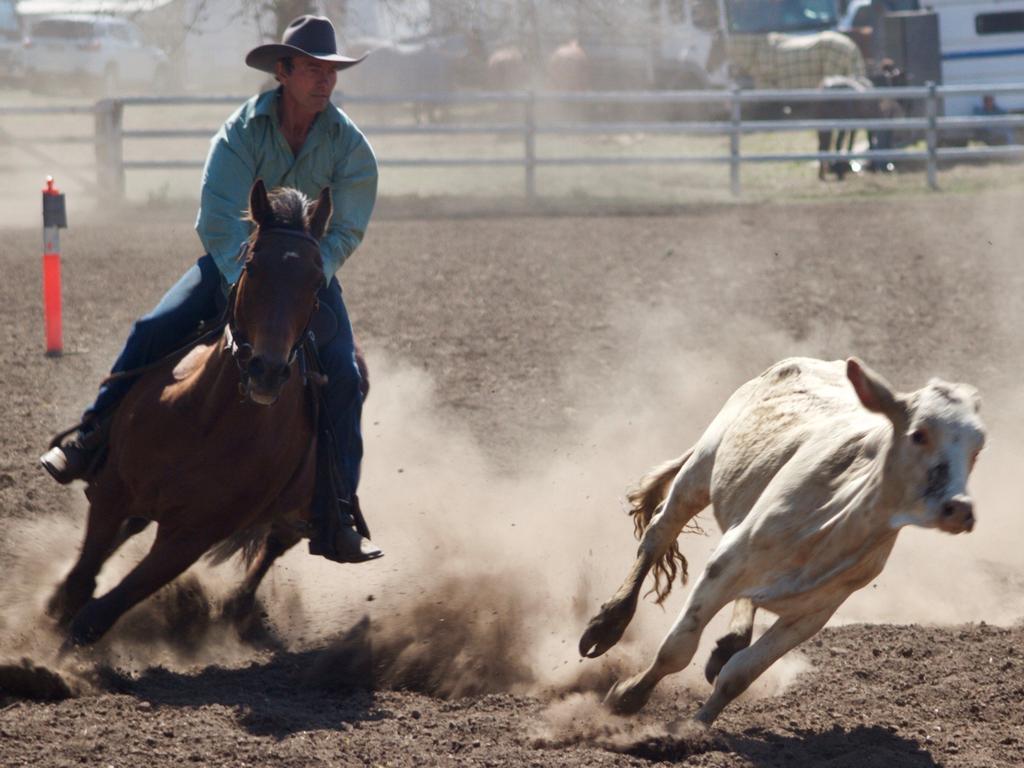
point(291, 136)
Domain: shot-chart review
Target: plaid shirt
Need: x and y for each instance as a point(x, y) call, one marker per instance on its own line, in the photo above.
point(784, 61)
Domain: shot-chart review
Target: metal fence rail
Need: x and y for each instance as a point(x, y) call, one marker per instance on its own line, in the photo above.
point(110, 134)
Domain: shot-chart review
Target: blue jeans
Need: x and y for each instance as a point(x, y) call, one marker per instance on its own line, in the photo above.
point(200, 295)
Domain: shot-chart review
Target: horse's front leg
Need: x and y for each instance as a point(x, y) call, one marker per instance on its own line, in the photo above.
point(240, 607)
point(174, 550)
point(106, 530)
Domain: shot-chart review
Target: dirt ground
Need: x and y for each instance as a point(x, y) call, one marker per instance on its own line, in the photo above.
point(526, 370)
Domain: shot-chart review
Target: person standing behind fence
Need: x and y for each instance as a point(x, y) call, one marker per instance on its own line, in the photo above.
point(998, 135)
point(291, 136)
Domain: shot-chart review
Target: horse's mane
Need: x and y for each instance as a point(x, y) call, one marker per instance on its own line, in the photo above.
point(288, 207)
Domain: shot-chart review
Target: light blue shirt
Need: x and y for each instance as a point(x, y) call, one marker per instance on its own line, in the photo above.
point(251, 145)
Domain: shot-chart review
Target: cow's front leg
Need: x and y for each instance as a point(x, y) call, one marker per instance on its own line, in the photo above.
point(709, 594)
point(747, 665)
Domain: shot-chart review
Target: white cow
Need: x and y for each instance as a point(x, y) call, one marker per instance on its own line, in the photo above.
point(811, 480)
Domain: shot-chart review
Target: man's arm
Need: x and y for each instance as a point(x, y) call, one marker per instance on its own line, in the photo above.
point(354, 192)
point(227, 178)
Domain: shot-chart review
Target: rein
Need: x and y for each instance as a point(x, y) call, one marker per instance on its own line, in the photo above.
point(214, 331)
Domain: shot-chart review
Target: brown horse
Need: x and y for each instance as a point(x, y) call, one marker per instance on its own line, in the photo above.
point(219, 448)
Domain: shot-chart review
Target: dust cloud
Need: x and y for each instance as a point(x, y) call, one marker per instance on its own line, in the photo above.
point(581, 719)
point(519, 560)
point(179, 627)
point(490, 574)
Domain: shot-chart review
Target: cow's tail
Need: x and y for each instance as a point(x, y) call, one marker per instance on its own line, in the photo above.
point(646, 500)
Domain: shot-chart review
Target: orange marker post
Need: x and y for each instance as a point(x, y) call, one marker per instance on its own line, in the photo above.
point(54, 219)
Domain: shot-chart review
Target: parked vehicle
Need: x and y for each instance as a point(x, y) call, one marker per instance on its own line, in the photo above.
point(973, 42)
point(12, 65)
point(982, 42)
point(681, 44)
point(104, 54)
point(860, 14)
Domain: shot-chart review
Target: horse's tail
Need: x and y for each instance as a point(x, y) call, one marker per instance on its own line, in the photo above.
point(645, 501)
point(247, 542)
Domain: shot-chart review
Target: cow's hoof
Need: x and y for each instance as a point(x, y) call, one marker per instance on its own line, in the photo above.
point(628, 697)
point(606, 629)
point(715, 663)
point(727, 647)
point(705, 716)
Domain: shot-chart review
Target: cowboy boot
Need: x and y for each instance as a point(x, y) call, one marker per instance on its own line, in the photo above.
point(78, 456)
point(340, 541)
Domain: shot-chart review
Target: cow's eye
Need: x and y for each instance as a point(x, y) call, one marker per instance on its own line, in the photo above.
point(919, 437)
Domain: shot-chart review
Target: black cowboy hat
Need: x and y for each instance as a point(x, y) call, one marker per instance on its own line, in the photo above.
point(306, 36)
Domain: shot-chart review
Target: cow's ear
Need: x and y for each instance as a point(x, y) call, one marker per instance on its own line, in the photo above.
point(875, 393)
point(320, 213)
point(974, 396)
point(259, 204)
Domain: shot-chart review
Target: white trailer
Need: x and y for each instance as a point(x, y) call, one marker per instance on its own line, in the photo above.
point(982, 42)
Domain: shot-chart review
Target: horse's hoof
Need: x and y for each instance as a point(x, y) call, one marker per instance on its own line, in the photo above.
point(62, 606)
point(606, 629)
point(260, 635)
point(239, 609)
point(247, 617)
point(79, 637)
point(55, 608)
point(67, 648)
point(626, 698)
point(86, 628)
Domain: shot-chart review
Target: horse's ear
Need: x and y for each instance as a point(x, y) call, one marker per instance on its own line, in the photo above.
point(259, 204)
point(320, 213)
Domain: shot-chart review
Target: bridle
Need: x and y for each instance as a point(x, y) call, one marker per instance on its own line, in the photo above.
point(235, 339)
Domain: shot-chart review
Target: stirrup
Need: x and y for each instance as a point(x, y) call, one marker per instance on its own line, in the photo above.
point(343, 536)
point(80, 457)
